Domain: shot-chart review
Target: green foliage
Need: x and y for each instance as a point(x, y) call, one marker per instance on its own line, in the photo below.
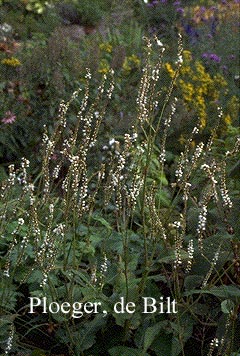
point(99, 215)
point(89, 13)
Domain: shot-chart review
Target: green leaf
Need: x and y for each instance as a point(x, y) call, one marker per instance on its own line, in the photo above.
point(163, 179)
point(125, 351)
point(38, 352)
point(35, 277)
point(103, 222)
point(86, 337)
point(115, 243)
point(192, 282)
point(235, 171)
point(162, 345)
point(227, 306)
point(169, 256)
point(151, 334)
point(221, 292)
point(3, 174)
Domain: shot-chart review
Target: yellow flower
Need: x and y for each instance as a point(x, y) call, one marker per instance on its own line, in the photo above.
point(218, 78)
point(11, 62)
point(126, 66)
point(103, 67)
point(203, 120)
point(130, 63)
point(187, 90)
point(134, 59)
point(193, 144)
point(170, 70)
point(233, 108)
point(106, 47)
point(187, 56)
point(228, 119)
point(182, 140)
point(198, 88)
point(185, 70)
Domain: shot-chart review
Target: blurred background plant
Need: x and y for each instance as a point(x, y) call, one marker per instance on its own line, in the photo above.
point(45, 46)
point(137, 220)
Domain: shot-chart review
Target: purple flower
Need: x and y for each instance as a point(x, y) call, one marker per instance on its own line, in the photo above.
point(191, 32)
point(153, 3)
point(180, 10)
point(213, 26)
point(215, 57)
point(224, 68)
point(9, 118)
point(177, 3)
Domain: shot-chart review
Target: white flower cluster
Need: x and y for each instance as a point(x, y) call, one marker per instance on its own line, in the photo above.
point(20, 221)
point(226, 198)
point(155, 75)
point(190, 250)
point(63, 108)
point(181, 167)
point(180, 50)
point(56, 171)
point(197, 153)
point(207, 169)
point(179, 173)
point(111, 87)
point(59, 230)
point(162, 156)
point(224, 191)
point(12, 175)
point(215, 342)
point(142, 99)
point(94, 276)
point(103, 271)
point(88, 74)
point(178, 243)
point(178, 257)
point(195, 130)
point(9, 341)
point(24, 165)
point(173, 110)
point(160, 44)
point(5, 27)
point(24, 241)
point(134, 190)
point(44, 279)
point(210, 171)
point(177, 225)
point(202, 220)
point(104, 265)
point(6, 272)
point(186, 189)
point(220, 112)
point(83, 193)
point(213, 264)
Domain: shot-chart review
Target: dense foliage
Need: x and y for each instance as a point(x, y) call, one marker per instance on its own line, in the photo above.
point(127, 189)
